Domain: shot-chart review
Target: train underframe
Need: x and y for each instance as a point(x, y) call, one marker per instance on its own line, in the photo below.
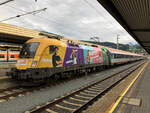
point(43, 74)
point(40, 75)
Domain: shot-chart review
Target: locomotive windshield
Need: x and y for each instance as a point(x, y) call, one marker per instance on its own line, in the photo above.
point(28, 50)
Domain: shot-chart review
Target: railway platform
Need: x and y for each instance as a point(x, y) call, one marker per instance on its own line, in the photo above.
point(5, 67)
point(129, 96)
point(139, 95)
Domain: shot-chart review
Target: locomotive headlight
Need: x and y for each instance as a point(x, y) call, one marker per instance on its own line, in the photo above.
point(34, 63)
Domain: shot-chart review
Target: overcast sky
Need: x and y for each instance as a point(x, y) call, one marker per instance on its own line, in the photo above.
point(76, 19)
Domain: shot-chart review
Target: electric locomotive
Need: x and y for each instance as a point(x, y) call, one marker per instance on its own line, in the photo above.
point(44, 58)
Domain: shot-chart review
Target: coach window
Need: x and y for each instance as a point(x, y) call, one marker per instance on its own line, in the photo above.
point(116, 55)
point(12, 56)
point(123, 56)
point(120, 55)
point(112, 55)
point(2, 56)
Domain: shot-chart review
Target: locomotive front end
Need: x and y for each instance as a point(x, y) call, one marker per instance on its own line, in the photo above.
point(27, 62)
point(27, 57)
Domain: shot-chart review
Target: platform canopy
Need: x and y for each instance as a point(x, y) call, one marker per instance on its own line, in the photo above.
point(134, 16)
point(17, 35)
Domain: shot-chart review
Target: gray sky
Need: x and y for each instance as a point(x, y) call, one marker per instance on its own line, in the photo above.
point(76, 19)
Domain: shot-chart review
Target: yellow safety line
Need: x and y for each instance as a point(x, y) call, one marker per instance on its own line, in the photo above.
point(120, 98)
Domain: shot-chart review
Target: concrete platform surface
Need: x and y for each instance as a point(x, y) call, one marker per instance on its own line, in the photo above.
point(140, 90)
point(5, 67)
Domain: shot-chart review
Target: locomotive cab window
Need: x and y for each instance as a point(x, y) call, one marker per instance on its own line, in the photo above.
point(29, 50)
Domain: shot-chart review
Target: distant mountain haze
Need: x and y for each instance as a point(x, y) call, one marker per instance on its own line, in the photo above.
point(125, 47)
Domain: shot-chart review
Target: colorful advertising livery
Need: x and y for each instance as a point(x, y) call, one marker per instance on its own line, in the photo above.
point(75, 54)
point(61, 54)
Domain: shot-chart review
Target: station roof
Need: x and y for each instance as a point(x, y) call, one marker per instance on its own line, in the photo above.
point(134, 16)
point(9, 46)
point(14, 34)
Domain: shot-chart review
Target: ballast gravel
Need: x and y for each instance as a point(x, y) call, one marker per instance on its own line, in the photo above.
point(31, 100)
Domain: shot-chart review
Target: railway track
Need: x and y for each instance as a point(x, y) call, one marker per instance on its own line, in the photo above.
point(12, 92)
point(81, 98)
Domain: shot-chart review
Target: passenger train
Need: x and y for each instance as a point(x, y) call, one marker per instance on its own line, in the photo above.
point(50, 57)
point(11, 56)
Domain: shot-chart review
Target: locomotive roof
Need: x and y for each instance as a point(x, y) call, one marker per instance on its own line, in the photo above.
point(63, 42)
point(47, 41)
